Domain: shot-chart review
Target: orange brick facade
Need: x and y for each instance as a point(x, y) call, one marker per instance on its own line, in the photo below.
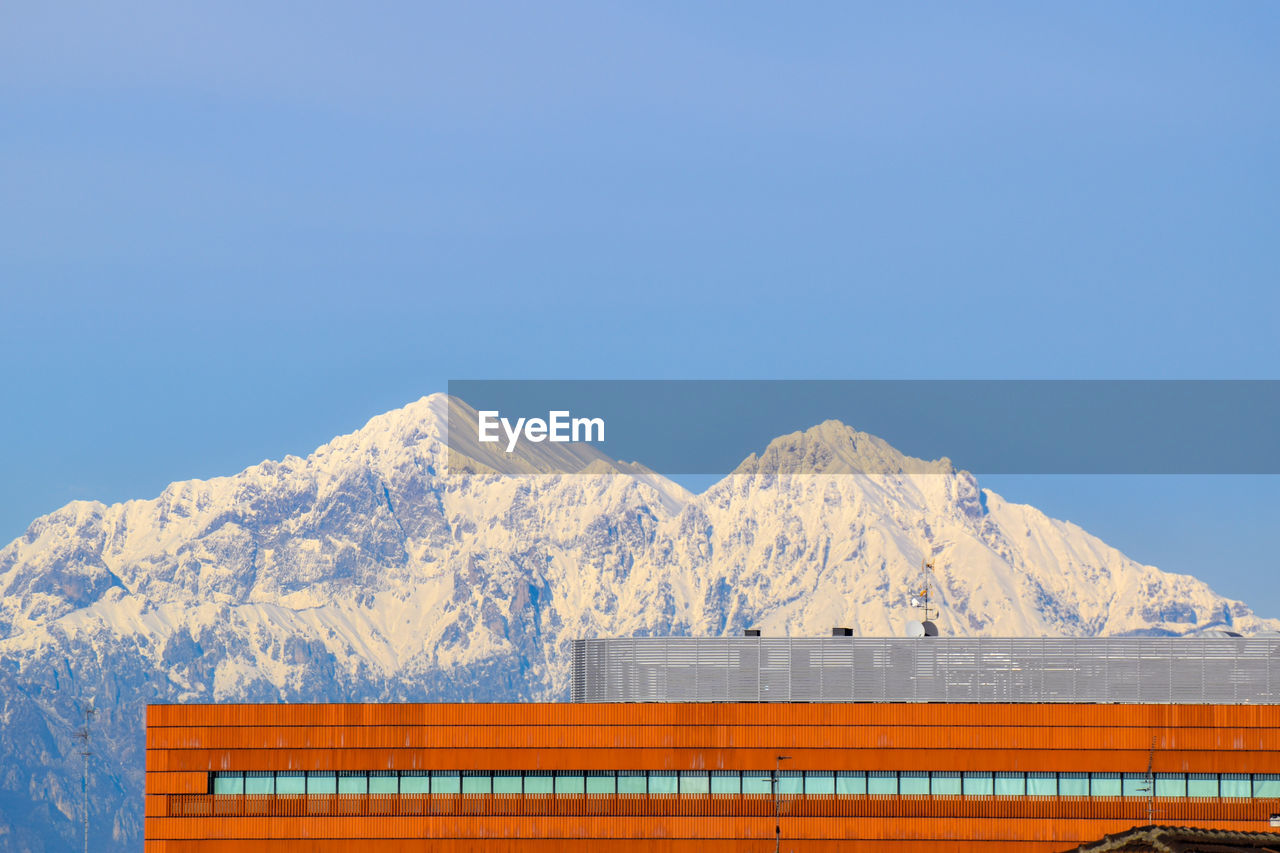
point(186, 744)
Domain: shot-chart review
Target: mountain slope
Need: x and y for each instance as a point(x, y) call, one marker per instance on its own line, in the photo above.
point(379, 568)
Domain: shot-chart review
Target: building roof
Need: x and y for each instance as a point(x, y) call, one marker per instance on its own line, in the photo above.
point(1147, 670)
point(1181, 839)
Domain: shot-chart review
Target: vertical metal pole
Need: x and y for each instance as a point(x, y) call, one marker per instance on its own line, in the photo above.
point(1151, 782)
point(777, 826)
point(777, 811)
point(85, 752)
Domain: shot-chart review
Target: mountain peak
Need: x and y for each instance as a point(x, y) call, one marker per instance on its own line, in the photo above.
point(833, 447)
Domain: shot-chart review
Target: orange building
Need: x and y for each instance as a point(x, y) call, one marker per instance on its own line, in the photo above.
point(701, 777)
point(712, 776)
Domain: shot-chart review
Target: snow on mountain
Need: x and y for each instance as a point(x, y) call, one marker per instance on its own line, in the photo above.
point(382, 568)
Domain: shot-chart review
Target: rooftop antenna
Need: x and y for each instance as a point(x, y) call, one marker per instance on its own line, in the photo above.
point(920, 599)
point(85, 751)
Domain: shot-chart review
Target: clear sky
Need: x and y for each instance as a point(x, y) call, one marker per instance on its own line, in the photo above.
point(230, 231)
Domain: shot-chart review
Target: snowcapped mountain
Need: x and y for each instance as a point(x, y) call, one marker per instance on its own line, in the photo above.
point(381, 568)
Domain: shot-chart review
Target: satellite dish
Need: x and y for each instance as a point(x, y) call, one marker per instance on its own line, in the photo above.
point(916, 629)
point(930, 629)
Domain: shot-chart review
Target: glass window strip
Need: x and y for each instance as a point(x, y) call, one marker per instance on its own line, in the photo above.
point(818, 783)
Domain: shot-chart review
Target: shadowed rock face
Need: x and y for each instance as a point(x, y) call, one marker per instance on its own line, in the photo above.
point(374, 570)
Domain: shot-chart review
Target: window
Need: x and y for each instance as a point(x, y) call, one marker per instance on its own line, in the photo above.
point(1202, 785)
point(1011, 785)
point(476, 783)
point(662, 782)
point(913, 782)
point(631, 782)
point(882, 782)
point(755, 782)
point(506, 782)
point(291, 783)
point(726, 782)
point(978, 784)
point(819, 783)
point(695, 783)
point(1136, 785)
point(1266, 785)
point(945, 783)
point(1046, 784)
point(1236, 785)
point(384, 782)
point(228, 783)
point(790, 783)
point(353, 783)
point(597, 783)
point(1105, 785)
point(258, 782)
point(1171, 785)
point(571, 783)
point(415, 782)
point(322, 782)
point(446, 783)
point(538, 783)
point(851, 782)
point(1073, 784)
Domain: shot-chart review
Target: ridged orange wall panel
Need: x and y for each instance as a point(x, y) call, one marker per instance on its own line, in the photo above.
point(186, 743)
point(859, 736)
point(191, 782)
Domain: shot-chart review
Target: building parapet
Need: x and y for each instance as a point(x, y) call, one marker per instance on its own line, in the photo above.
point(1161, 670)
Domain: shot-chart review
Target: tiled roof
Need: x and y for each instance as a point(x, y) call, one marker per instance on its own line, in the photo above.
point(1181, 839)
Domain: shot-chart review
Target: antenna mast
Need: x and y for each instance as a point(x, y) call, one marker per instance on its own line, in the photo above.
point(920, 598)
point(777, 812)
point(85, 751)
point(1151, 782)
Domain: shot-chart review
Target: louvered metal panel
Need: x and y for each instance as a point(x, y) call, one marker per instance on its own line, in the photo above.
point(1240, 671)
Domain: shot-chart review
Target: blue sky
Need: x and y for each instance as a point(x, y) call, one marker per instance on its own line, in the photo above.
point(231, 231)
